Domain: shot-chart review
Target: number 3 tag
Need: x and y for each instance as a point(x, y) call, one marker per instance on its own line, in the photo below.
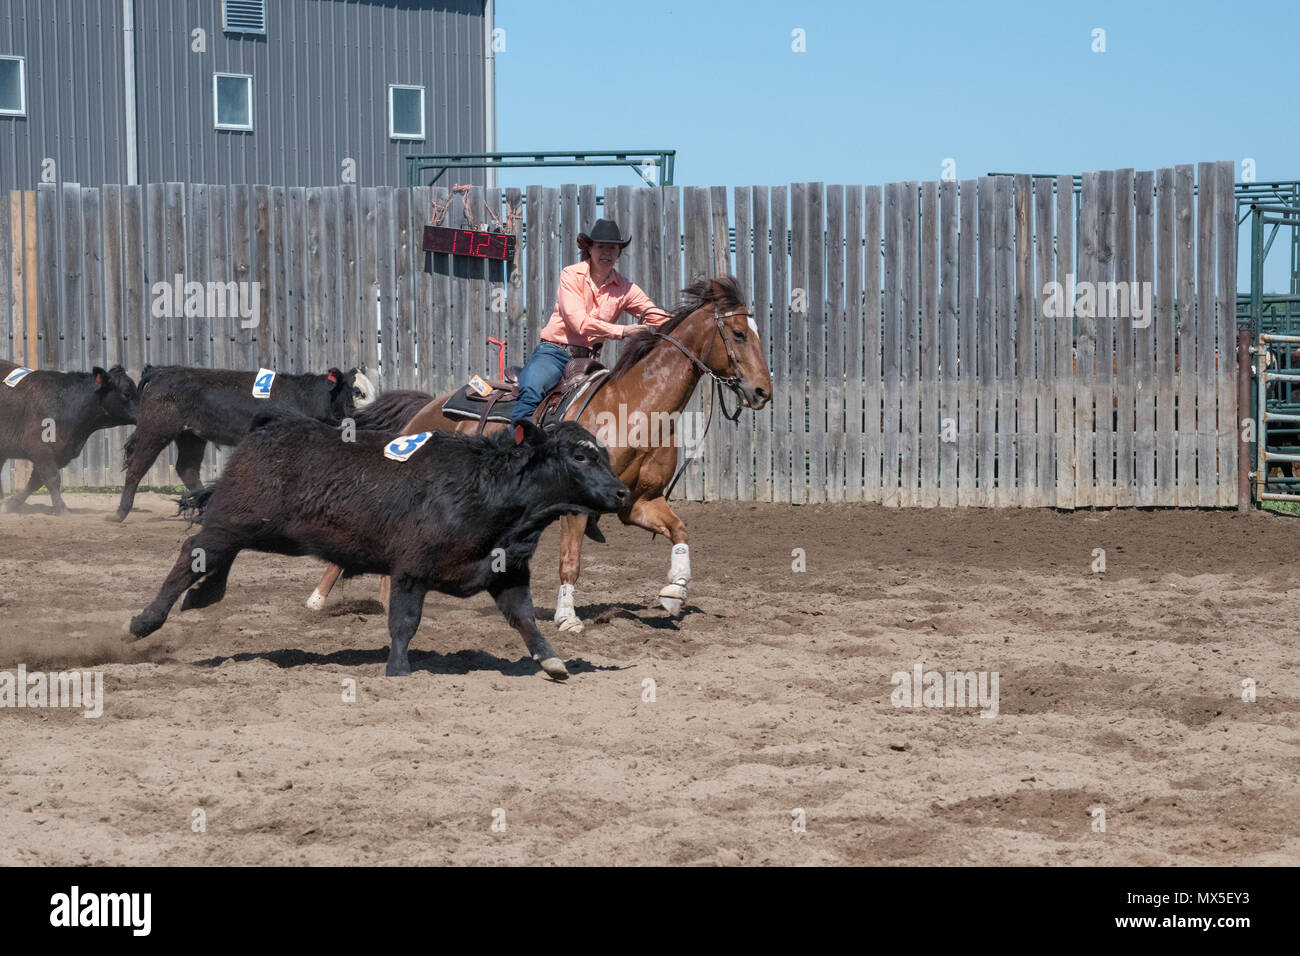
point(402, 448)
point(262, 384)
point(16, 376)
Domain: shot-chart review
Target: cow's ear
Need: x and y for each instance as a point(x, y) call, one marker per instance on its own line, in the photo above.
point(530, 433)
point(335, 377)
point(101, 377)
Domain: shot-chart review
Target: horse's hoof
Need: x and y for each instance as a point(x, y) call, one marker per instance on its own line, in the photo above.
point(555, 668)
point(672, 598)
point(316, 601)
point(115, 517)
point(570, 625)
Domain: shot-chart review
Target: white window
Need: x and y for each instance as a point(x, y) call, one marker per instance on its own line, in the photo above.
point(405, 112)
point(232, 100)
point(243, 16)
point(13, 86)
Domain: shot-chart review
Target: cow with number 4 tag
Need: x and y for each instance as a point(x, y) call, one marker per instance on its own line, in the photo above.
point(190, 407)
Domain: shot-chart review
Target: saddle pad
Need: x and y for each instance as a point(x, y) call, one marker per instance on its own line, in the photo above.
point(464, 405)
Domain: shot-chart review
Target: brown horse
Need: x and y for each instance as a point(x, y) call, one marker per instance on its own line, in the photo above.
point(712, 333)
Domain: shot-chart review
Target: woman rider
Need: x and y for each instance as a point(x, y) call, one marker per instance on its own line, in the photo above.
point(588, 303)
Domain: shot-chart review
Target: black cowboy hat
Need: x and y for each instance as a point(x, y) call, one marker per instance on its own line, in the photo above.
point(605, 230)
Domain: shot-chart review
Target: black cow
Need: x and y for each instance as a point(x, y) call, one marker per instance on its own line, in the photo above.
point(48, 417)
point(192, 406)
point(461, 515)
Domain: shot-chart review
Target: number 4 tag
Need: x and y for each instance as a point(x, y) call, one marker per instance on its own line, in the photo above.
point(403, 447)
point(262, 384)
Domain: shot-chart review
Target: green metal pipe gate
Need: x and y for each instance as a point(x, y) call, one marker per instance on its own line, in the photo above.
point(1273, 321)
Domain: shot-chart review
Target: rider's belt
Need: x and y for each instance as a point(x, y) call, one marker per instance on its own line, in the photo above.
point(575, 351)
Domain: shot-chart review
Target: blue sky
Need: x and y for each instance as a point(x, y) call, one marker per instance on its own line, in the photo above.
point(887, 92)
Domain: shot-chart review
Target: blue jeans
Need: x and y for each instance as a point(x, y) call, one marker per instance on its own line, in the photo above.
point(537, 378)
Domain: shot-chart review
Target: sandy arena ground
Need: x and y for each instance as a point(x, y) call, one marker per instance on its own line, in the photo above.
point(1121, 691)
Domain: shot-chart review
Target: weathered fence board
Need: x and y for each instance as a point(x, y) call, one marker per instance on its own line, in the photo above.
point(896, 197)
point(986, 347)
point(949, 361)
point(967, 339)
point(929, 347)
point(1185, 312)
point(1166, 340)
point(1229, 421)
point(1044, 343)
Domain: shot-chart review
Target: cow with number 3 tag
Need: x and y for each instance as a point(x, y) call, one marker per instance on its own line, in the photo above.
point(462, 516)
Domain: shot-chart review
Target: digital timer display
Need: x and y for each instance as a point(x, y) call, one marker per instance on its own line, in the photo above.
point(469, 242)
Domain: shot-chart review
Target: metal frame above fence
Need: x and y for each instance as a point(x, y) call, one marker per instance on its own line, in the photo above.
point(641, 161)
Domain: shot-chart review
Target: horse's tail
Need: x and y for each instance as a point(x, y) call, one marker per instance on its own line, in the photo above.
point(390, 412)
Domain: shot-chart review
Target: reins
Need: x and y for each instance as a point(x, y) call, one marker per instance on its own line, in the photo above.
point(730, 381)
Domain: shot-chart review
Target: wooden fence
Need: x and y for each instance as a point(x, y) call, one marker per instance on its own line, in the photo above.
point(918, 355)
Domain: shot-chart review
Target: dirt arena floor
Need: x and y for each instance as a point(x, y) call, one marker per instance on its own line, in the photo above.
point(1120, 691)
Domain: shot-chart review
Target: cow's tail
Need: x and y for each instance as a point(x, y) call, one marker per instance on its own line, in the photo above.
point(193, 504)
point(130, 450)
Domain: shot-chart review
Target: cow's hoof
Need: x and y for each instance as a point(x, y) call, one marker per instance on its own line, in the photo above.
point(672, 598)
point(316, 601)
point(555, 668)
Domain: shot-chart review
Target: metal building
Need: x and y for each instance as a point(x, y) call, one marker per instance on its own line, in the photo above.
point(282, 92)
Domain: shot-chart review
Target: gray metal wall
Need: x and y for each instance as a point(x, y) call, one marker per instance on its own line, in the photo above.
point(320, 87)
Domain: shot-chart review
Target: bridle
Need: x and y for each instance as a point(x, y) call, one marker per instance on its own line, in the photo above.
point(731, 381)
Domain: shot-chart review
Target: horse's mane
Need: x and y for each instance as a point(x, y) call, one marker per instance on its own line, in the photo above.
point(728, 295)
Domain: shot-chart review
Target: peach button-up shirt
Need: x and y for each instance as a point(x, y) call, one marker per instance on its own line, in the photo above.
point(585, 315)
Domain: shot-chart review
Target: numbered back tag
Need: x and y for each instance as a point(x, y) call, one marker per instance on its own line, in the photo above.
point(16, 376)
point(404, 446)
point(262, 384)
point(480, 386)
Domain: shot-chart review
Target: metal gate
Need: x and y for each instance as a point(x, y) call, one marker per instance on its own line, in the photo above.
point(1274, 323)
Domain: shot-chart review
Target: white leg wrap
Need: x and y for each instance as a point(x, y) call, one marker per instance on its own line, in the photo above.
point(566, 618)
point(673, 595)
point(680, 570)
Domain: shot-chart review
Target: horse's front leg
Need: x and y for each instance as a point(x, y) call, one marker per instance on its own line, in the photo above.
point(654, 514)
point(572, 528)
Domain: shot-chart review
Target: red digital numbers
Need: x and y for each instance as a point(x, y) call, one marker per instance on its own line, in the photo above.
point(467, 242)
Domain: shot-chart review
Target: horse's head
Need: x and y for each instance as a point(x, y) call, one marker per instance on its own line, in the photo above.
point(737, 352)
point(717, 332)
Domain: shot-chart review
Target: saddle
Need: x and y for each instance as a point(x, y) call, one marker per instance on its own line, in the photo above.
point(580, 380)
